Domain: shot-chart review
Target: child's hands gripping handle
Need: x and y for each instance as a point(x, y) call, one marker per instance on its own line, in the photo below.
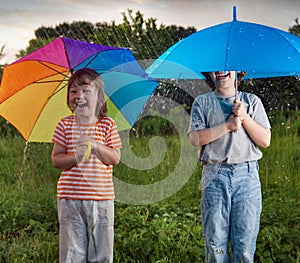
point(83, 150)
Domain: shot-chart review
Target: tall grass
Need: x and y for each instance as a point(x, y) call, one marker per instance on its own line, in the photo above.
point(281, 160)
point(165, 231)
point(278, 240)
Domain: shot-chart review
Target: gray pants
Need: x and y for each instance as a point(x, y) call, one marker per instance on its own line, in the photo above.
point(86, 232)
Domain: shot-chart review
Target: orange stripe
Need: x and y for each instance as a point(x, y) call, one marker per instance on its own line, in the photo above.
point(86, 192)
point(84, 185)
point(87, 199)
point(92, 174)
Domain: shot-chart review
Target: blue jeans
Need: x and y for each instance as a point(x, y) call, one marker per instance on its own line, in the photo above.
point(231, 207)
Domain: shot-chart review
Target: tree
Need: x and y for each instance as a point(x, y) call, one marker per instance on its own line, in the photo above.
point(1, 55)
point(2, 51)
point(276, 93)
point(147, 40)
point(142, 36)
point(295, 29)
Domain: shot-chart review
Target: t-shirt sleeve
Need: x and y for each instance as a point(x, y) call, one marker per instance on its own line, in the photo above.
point(258, 112)
point(197, 118)
point(113, 137)
point(59, 135)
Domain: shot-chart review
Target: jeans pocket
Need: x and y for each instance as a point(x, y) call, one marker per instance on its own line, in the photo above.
point(209, 173)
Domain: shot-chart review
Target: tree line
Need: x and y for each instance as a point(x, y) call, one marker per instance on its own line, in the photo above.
point(148, 40)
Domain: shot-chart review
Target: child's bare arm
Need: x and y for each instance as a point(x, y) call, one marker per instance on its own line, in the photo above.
point(106, 154)
point(260, 135)
point(60, 159)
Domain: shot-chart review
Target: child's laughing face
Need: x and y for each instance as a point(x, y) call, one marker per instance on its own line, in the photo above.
point(83, 100)
point(223, 78)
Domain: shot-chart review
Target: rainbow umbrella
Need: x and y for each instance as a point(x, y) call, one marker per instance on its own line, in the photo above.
point(33, 91)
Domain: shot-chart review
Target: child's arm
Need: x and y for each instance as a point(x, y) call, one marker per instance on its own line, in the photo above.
point(260, 135)
point(106, 154)
point(60, 159)
point(206, 136)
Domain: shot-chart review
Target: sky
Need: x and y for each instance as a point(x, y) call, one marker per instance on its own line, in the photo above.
point(20, 18)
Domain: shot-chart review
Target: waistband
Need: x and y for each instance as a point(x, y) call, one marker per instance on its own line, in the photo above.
point(238, 165)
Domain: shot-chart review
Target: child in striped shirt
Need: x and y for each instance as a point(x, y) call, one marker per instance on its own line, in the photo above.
point(86, 147)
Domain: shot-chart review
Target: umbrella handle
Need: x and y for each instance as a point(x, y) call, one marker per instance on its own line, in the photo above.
point(78, 122)
point(88, 153)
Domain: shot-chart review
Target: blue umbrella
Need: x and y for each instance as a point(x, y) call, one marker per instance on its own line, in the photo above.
point(259, 50)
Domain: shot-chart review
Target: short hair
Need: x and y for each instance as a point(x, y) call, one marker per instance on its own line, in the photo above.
point(90, 76)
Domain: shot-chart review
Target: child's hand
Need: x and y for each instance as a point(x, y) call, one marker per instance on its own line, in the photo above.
point(234, 123)
point(238, 108)
point(83, 149)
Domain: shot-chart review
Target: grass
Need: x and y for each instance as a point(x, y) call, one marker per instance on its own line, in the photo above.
point(168, 230)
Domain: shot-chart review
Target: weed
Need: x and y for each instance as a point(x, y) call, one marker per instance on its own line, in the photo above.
point(166, 231)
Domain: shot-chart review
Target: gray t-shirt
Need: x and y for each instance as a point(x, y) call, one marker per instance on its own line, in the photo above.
point(234, 147)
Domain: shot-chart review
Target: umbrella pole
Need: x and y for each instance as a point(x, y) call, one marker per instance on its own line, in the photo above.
point(78, 121)
point(236, 85)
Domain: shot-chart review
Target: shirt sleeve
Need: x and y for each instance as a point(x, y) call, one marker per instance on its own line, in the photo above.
point(258, 113)
point(113, 137)
point(59, 134)
point(197, 119)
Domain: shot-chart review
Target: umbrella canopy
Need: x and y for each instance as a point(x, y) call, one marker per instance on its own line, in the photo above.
point(33, 91)
point(260, 50)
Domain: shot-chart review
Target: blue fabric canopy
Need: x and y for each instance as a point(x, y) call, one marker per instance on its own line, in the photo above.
point(259, 50)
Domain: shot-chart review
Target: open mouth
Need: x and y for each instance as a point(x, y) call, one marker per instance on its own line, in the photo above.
point(221, 75)
point(81, 106)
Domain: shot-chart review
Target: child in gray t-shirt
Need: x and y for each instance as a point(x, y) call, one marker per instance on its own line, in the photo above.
point(229, 127)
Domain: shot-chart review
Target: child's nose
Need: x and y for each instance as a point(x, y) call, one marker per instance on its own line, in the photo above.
point(79, 94)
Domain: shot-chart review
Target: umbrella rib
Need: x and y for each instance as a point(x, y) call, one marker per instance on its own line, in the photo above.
point(41, 62)
point(42, 110)
point(227, 45)
point(54, 93)
point(48, 81)
point(227, 52)
point(285, 38)
point(90, 61)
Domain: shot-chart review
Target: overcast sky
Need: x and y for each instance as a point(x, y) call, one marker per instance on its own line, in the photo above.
point(20, 18)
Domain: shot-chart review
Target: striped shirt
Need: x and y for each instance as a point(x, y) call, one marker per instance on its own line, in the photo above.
point(91, 179)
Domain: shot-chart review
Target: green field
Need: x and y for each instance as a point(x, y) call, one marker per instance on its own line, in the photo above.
point(168, 230)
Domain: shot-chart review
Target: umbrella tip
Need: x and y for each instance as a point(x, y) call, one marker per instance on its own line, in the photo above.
point(234, 13)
